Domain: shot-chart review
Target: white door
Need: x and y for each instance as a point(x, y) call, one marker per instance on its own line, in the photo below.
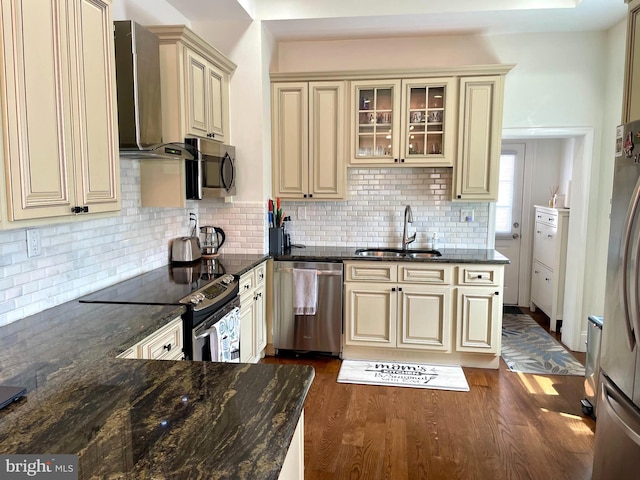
point(509, 216)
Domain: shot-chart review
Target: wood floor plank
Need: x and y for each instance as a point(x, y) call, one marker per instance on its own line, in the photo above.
point(508, 426)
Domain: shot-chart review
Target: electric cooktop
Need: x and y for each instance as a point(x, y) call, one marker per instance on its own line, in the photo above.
point(162, 286)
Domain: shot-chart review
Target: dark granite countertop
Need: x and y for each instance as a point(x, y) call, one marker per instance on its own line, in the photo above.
point(449, 255)
point(166, 285)
point(142, 419)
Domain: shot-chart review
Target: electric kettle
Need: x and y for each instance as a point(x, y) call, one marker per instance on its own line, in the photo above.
point(211, 239)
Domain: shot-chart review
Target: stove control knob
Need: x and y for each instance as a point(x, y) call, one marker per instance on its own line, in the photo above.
point(227, 279)
point(194, 300)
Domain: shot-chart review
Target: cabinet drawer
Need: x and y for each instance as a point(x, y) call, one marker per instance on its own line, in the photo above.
point(260, 273)
point(479, 275)
point(424, 273)
point(247, 282)
point(548, 216)
point(371, 272)
point(164, 343)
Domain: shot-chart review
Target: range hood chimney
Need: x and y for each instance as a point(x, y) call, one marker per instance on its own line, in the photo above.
point(139, 95)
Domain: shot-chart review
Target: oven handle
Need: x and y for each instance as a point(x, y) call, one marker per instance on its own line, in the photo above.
point(207, 332)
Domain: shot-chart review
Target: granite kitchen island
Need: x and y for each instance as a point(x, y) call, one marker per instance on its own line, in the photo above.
point(142, 418)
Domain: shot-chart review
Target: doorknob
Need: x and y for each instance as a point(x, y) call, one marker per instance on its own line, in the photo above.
point(516, 225)
point(516, 236)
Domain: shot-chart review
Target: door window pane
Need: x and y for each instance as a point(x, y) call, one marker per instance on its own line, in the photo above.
point(504, 205)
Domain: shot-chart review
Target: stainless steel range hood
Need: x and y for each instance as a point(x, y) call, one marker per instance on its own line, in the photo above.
point(139, 94)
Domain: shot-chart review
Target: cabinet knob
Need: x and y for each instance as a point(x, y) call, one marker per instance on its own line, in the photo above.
point(402, 160)
point(459, 196)
point(395, 160)
point(479, 276)
point(167, 347)
point(400, 289)
point(393, 289)
point(497, 293)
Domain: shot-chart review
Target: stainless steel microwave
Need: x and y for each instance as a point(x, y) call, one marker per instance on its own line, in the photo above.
point(212, 172)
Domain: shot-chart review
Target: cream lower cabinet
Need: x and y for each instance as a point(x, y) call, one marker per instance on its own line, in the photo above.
point(253, 324)
point(293, 466)
point(163, 344)
point(479, 138)
point(425, 312)
point(59, 101)
point(308, 140)
point(387, 306)
point(479, 308)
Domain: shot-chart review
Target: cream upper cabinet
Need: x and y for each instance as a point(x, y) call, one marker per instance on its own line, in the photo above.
point(195, 86)
point(58, 94)
point(403, 122)
point(479, 136)
point(308, 140)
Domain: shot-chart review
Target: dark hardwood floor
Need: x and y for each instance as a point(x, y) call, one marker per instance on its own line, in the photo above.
point(508, 426)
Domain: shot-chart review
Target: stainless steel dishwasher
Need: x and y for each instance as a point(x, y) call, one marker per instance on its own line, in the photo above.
point(321, 332)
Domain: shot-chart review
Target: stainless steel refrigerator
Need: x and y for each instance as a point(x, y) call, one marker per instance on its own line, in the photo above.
point(617, 440)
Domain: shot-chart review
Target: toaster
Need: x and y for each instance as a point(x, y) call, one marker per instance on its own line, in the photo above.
point(185, 249)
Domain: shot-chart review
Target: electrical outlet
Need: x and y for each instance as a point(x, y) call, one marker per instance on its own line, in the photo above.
point(466, 215)
point(302, 213)
point(33, 243)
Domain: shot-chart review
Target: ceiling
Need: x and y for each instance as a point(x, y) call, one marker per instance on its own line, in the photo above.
point(333, 19)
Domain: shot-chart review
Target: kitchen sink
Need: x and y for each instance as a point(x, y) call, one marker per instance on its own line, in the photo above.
point(397, 253)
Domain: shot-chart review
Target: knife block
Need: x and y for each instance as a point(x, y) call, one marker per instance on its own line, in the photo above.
point(276, 241)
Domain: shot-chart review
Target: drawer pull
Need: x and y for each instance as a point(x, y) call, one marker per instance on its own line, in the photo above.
point(167, 347)
point(480, 276)
point(247, 287)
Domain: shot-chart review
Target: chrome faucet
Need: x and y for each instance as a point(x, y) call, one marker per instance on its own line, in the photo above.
point(408, 218)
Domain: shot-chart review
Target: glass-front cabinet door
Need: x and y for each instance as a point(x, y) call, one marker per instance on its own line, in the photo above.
point(404, 122)
point(376, 123)
point(429, 121)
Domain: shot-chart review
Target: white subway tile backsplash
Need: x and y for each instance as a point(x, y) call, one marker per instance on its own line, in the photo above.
point(79, 258)
point(373, 215)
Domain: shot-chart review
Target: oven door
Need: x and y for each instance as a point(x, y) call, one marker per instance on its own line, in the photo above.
point(217, 338)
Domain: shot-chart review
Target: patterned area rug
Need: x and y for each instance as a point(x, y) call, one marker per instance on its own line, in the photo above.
point(528, 348)
point(400, 374)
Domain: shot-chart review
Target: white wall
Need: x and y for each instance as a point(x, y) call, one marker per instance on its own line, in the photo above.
point(148, 12)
